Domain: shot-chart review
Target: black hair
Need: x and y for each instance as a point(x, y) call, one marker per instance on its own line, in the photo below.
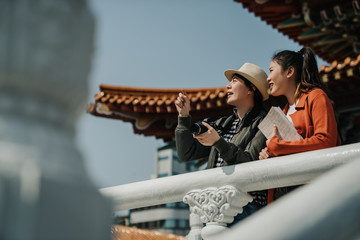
point(258, 99)
point(306, 71)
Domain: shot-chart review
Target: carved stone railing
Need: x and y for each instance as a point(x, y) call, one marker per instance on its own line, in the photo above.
point(215, 196)
point(216, 207)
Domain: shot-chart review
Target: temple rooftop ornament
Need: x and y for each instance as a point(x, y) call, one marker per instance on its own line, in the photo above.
point(321, 24)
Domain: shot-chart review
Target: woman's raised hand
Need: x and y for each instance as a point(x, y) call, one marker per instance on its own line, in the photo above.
point(182, 104)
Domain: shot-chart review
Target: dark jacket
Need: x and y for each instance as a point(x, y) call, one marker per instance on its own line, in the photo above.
point(244, 146)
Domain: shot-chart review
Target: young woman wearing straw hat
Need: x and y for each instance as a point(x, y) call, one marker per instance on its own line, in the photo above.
point(231, 139)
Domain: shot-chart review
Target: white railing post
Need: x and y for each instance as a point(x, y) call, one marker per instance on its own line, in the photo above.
point(195, 226)
point(216, 207)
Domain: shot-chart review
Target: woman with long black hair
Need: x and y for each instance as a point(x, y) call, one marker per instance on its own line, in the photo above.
point(295, 75)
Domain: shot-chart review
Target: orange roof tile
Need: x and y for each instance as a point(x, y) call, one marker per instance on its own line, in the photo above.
point(120, 232)
point(151, 100)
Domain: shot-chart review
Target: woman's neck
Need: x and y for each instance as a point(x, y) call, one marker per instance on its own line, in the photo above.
point(291, 99)
point(242, 110)
point(290, 95)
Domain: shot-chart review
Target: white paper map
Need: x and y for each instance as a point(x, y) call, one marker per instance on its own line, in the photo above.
point(286, 128)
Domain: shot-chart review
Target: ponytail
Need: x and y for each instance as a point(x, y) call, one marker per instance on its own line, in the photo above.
point(306, 71)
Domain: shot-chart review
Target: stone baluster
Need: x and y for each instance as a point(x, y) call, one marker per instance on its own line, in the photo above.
point(195, 226)
point(216, 207)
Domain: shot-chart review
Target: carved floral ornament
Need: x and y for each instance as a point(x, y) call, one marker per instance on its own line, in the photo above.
point(217, 204)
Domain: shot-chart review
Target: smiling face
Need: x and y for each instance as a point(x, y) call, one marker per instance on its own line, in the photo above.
point(238, 93)
point(280, 82)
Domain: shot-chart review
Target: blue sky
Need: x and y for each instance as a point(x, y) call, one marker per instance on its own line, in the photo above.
point(163, 44)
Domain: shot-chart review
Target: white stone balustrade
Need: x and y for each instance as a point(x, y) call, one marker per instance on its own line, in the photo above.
point(283, 171)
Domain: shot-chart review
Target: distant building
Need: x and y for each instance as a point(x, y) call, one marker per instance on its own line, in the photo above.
point(168, 218)
point(168, 163)
point(121, 218)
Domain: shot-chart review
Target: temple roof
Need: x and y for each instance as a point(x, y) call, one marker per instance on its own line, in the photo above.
point(120, 232)
point(152, 111)
point(329, 27)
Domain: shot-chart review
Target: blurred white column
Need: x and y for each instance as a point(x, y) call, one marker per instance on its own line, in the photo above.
point(46, 48)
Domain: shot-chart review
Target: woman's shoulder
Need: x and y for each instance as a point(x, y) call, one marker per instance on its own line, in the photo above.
point(315, 93)
point(262, 113)
point(223, 120)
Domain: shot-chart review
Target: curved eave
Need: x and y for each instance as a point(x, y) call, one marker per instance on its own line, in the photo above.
point(151, 111)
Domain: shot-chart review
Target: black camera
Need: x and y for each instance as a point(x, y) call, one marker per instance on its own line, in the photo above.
point(198, 128)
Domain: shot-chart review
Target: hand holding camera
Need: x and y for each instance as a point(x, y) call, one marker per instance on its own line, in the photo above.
point(198, 128)
point(209, 136)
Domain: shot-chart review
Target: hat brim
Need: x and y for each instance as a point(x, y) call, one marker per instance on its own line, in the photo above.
point(230, 73)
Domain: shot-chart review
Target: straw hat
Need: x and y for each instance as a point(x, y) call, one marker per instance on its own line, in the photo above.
point(254, 74)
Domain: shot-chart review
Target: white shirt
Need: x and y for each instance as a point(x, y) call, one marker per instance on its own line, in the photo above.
point(291, 110)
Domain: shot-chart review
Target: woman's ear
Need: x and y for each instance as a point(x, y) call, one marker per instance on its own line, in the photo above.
point(252, 89)
point(290, 72)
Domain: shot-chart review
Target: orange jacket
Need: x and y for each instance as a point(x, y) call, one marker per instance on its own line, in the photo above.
point(314, 120)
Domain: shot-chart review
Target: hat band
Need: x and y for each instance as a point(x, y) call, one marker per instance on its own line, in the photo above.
point(241, 77)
